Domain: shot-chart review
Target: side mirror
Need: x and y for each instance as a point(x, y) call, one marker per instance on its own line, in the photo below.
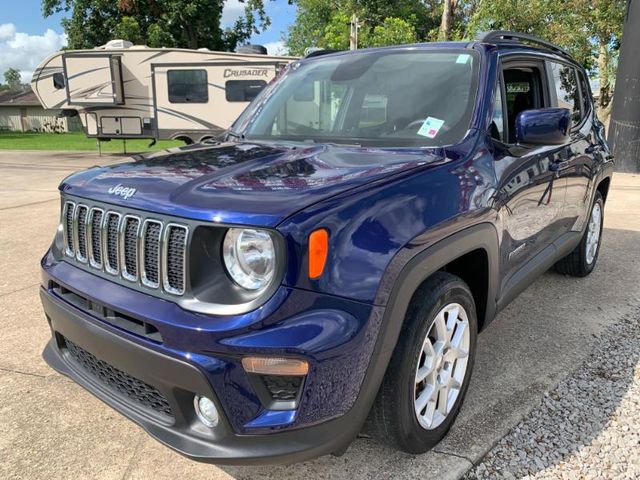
point(544, 126)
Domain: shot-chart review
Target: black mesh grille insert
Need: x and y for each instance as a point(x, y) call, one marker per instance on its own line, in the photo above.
point(113, 222)
point(283, 387)
point(175, 257)
point(82, 231)
point(123, 383)
point(96, 242)
point(151, 251)
point(69, 224)
point(131, 246)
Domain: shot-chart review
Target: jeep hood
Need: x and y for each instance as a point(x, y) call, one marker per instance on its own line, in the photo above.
point(240, 183)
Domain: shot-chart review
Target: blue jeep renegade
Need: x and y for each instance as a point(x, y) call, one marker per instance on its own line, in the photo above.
point(332, 258)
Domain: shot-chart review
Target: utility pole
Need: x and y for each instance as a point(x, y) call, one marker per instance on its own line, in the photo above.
point(353, 34)
point(624, 131)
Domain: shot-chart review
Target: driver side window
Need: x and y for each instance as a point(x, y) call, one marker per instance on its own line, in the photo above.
point(523, 91)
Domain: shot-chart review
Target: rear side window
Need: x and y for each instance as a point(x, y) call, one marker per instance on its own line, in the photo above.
point(243, 90)
point(187, 86)
point(566, 87)
point(585, 94)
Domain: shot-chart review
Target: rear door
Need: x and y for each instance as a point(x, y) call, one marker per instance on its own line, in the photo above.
point(577, 167)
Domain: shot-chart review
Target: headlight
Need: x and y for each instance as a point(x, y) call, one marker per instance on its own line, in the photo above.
point(249, 256)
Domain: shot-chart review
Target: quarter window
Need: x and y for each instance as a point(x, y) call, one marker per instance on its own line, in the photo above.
point(243, 90)
point(188, 86)
point(566, 86)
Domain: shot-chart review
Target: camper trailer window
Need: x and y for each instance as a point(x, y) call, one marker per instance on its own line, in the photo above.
point(58, 81)
point(243, 90)
point(188, 86)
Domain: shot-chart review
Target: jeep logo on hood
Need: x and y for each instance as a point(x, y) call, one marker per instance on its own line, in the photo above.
point(124, 192)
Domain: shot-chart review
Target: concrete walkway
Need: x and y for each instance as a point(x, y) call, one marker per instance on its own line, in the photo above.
point(51, 428)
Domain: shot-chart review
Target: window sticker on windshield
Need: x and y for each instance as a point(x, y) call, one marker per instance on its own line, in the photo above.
point(462, 58)
point(431, 127)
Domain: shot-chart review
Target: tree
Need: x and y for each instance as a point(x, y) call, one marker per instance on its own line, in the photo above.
point(13, 79)
point(128, 29)
point(590, 29)
point(325, 23)
point(447, 18)
point(393, 31)
point(175, 23)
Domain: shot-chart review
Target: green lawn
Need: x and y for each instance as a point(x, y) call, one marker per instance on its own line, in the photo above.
point(76, 141)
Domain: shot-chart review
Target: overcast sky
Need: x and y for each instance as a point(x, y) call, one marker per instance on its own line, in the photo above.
point(26, 38)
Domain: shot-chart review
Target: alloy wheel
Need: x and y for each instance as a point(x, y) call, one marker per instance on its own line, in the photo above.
point(442, 366)
point(593, 233)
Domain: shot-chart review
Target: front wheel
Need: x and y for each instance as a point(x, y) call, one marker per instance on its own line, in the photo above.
point(429, 371)
point(582, 260)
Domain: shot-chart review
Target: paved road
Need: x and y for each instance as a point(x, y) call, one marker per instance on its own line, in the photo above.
point(51, 428)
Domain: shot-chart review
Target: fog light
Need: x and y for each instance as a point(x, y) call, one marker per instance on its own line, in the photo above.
point(206, 410)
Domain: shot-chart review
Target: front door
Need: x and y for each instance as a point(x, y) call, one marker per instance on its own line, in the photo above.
point(530, 195)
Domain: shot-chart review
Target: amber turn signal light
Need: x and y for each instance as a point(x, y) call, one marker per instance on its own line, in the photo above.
point(318, 249)
point(275, 366)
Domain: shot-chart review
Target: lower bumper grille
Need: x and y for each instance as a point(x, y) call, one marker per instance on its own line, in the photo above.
point(123, 383)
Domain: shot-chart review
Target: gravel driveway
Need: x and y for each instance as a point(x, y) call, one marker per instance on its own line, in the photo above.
point(588, 426)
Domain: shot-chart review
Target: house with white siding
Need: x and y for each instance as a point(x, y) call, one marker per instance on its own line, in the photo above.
point(22, 112)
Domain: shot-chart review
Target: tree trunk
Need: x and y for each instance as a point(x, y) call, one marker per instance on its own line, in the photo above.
point(605, 86)
point(445, 23)
point(624, 134)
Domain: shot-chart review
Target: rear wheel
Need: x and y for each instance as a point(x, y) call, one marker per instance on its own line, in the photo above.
point(582, 260)
point(429, 371)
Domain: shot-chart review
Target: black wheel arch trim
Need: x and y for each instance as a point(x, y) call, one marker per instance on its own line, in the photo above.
point(415, 271)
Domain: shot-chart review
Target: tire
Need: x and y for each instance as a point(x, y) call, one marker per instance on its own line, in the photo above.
point(582, 260)
point(393, 418)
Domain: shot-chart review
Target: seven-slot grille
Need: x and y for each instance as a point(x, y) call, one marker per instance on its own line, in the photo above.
point(128, 246)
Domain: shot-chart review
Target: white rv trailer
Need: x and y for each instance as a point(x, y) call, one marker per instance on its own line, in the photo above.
point(125, 91)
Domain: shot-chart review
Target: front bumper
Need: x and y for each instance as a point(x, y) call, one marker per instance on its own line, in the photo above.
point(178, 381)
point(247, 433)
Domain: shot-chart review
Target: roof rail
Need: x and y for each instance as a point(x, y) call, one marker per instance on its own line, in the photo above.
point(495, 36)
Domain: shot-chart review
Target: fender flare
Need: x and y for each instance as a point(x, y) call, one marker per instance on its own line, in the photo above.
point(431, 259)
point(415, 271)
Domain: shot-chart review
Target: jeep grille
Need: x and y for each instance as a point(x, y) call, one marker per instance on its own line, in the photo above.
point(147, 251)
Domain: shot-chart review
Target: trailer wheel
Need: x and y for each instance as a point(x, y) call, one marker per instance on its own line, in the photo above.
point(185, 139)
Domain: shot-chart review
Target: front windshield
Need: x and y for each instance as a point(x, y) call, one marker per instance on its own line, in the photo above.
point(393, 98)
